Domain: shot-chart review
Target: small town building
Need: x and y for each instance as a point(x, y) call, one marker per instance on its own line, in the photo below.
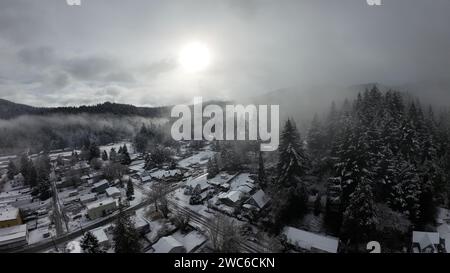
point(10, 216)
point(88, 198)
point(141, 225)
point(231, 198)
point(259, 199)
point(13, 237)
point(113, 192)
point(444, 235)
point(102, 238)
point(101, 208)
point(201, 181)
point(146, 179)
point(100, 186)
point(425, 242)
point(168, 244)
point(311, 241)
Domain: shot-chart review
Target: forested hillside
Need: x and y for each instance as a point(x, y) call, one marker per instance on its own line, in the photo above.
point(10, 110)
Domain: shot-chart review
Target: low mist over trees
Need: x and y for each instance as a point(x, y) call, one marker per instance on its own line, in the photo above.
point(38, 133)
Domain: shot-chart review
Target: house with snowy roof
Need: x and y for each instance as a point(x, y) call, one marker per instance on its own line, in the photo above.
point(258, 200)
point(9, 216)
point(444, 235)
point(231, 198)
point(425, 242)
point(101, 236)
point(168, 244)
point(310, 241)
point(113, 192)
point(200, 181)
point(13, 237)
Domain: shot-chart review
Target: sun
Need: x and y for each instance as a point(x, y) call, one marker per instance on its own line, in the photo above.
point(195, 57)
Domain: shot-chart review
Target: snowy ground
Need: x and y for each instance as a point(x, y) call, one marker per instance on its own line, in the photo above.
point(37, 235)
point(138, 197)
point(116, 147)
point(181, 199)
point(201, 157)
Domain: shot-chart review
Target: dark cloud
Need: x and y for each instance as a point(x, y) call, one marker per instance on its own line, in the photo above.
point(60, 80)
point(121, 76)
point(40, 56)
point(88, 68)
point(159, 67)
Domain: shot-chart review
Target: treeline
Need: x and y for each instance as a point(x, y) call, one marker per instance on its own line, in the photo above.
point(40, 133)
point(10, 110)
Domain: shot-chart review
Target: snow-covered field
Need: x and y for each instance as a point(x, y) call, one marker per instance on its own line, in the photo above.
point(201, 157)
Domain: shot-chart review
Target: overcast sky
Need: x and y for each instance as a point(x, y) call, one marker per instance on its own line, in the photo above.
point(127, 51)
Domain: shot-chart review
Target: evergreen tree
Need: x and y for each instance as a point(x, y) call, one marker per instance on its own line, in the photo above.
point(315, 137)
point(141, 139)
point(28, 171)
point(89, 243)
point(104, 156)
point(24, 162)
point(12, 170)
point(126, 237)
point(289, 194)
point(360, 220)
point(31, 178)
point(94, 151)
point(292, 159)
point(113, 155)
point(230, 160)
point(130, 190)
point(261, 172)
point(125, 156)
point(212, 167)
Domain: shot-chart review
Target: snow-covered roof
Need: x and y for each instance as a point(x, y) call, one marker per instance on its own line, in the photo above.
point(139, 222)
point(112, 191)
point(88, 196)
point(199, 158)
point(443, 215)
point(14, 194)
point(101, 183)
point(164, 173)
point(233, 196)
point(425, 239)
point(8, 213)
point(220, 179)
point(260, 198)
point(138, 162)
point(146, 178)
point(200, 180)
point(137, 168)
point(242, 182)
point(100, 234)
point(309, 240)
point(12, 234)
point(166, 244)
point(100, 203)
